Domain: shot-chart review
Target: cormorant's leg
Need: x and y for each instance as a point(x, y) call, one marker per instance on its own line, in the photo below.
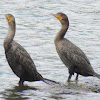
point(71, 72)
point(77, 77)
point(21, 82)
point(69, 77)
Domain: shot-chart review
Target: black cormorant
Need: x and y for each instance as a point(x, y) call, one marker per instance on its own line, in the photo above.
point(71, 55)
point(18, 58)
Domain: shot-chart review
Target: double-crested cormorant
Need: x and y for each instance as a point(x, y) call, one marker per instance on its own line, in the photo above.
point(18, 58)
point(71, 55)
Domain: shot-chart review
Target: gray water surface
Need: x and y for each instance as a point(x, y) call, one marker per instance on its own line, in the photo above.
point(36, 30)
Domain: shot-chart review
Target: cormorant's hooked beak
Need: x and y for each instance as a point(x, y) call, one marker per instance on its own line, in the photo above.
point(57, 16)
point(8, 18)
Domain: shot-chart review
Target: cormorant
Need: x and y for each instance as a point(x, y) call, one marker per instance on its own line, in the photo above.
point(18, 58)
point(71, 55)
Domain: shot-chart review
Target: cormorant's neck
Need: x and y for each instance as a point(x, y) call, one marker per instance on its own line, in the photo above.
point(11, 33)
point(60, 35)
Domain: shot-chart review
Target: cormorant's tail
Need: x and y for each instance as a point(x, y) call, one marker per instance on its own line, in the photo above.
point(50, 82)
point(97, 75)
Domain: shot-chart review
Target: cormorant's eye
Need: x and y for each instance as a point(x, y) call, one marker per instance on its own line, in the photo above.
point(62, 19)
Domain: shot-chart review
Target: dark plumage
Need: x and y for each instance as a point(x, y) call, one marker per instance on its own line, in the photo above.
point(71, 55)
point(18, 58)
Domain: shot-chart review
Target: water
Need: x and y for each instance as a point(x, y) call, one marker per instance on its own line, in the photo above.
point(36, 30)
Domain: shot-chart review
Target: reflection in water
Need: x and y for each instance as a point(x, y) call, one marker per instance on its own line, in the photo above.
point(45, 92)
point(17, 92)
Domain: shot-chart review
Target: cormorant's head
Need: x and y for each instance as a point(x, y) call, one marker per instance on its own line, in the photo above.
point(10, 17)
point(61, 17)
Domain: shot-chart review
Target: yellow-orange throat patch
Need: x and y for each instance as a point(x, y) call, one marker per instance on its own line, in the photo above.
point(59, 17)
point(8, 18)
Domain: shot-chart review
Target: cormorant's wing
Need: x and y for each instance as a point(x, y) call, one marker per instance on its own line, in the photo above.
point(23, 58)
point(21, 63)
point(74, 55)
